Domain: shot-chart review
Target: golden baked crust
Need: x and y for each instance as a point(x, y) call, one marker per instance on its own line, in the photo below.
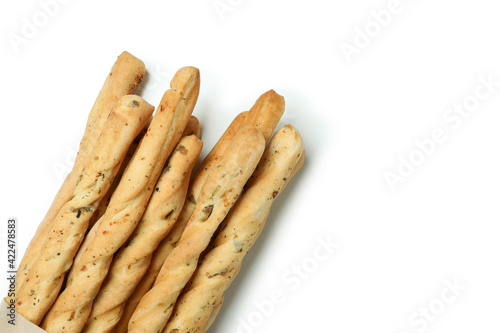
point(221, 189)
point(45, 277)
point(123, 79)
point(72, 308)
point(133, 259)
point(192, 127)
point(266, 113)
point(241, 228)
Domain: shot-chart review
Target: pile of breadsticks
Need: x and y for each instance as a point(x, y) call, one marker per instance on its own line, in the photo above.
point(137, 239)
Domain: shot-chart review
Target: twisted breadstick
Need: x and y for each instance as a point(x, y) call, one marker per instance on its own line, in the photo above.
point(216, 308)
point(45, 277)
point(72, 308)
point(123, 79)
point(163, 249)
point(192, 127)
point(99, 212)
point(201, 173)
point(132, 261)
point(266, 113)
point(240, 230)
point(213, 315)
point(218, 305)
point(221, 189)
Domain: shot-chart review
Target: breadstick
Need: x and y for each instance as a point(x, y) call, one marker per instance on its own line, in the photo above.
point(213, 315)
point(159, 255)
point(221, 189)
point(266, 113)
point(123, 79)
point(72, 308)
point(239, 232)
point(132, 261)
point(192, 127)
point(103, 204)
point(168, 244)
point(198, 179)
point(99, 212)
point(218, 305)
point(44, 280)
point(162, 251)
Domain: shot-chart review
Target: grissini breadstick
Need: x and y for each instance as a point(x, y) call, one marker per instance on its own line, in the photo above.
point(213, 315)
point(159, 255)
point(201, 173)
point(221, 189)
point(218, 305)
point(123, 79)
point(266, 113)
point(162, 251)
point(103, 204)
point(99, 212)
point(197, 181)
point(44, 280)
point(239, 232)
point(132, 261)
point(72, 308)
point(192, 127)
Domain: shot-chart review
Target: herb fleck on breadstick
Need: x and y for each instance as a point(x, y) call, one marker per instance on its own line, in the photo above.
point(233, 169)
point(243, 225)
point(123, 79)
point(72, 307)
point(44, 280)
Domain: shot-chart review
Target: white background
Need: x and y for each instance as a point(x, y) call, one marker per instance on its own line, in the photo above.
point(397, 248)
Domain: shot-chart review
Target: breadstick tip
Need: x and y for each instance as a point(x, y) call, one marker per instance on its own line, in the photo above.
point(127, 57)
